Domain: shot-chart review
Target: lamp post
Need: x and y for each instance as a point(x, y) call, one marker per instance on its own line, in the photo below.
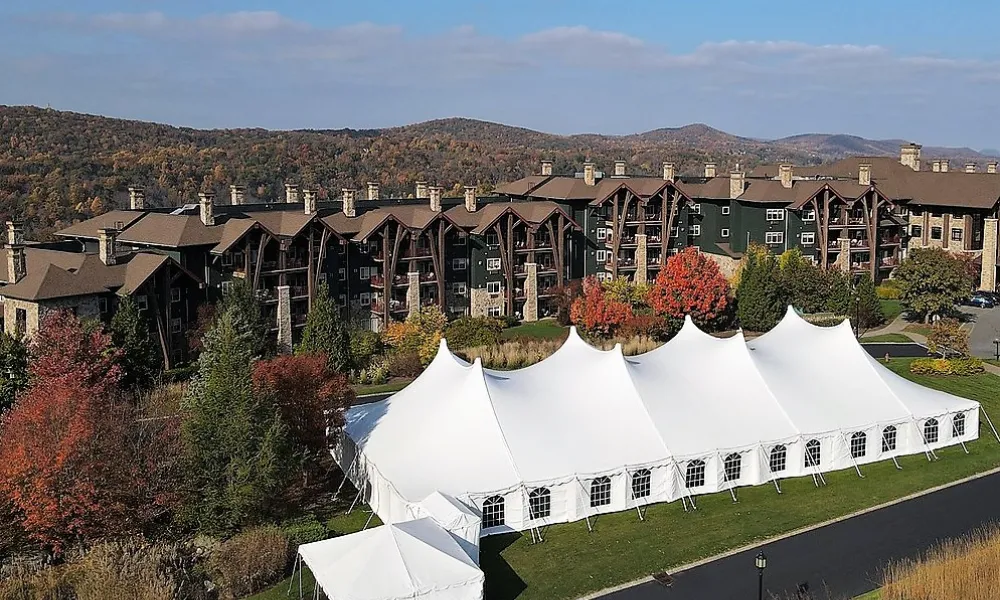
point(996, 346)
point(761, 562)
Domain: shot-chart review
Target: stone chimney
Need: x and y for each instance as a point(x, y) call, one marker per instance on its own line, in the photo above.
point(15, 233)
point(347, 197)
point(619, 168)
point(291, 193)
point(936, 166)
point(421, 189)
point(546, 167)
point(470, 198)
point(737, 184)
point(944, 165)
point(709, 170)
point(970, 167)
point(237, 195)
point(206, 202)
point(991, 167)
point(106, 240)
point(668, 171)
point(864, 174)
point(309, 201)
point(785, 174)
point(435, 194)
point(136, 197)
point(373, 190)
point(589, 176)
point(909, 155)
point(15, 264)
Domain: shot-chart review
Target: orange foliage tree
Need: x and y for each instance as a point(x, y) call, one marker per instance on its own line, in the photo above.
point(596, 313)
point(689, 284)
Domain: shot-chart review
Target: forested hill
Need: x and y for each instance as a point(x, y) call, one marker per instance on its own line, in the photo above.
point(58, 167)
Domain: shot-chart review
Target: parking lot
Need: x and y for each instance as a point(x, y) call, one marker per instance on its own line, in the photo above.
point(985, 324)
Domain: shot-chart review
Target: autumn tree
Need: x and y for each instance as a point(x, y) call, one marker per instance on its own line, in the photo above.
point(689, 283)
point(325, 333)
point(596, 314)
point(947, 337)
point(420, 335)
point(13, 369)
point(931, 282)
point(235, 442)
point(563, 297)
point(139, 358)
point(759, 301)
point(623, 289)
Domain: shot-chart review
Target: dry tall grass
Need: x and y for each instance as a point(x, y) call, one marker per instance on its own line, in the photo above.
point(250, 561)
point(519, 354)
point(28, 583)
point(128, 570)
point(963, 569)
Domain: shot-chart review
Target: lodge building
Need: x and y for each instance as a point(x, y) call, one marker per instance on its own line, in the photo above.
point(505, 253)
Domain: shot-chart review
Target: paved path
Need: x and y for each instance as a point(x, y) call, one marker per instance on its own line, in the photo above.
point(841, 560)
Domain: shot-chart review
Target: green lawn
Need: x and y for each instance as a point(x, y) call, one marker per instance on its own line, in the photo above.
point(545, 329)
point(891, 309)
point(381, 388)
point(918, 328)
point(572, 562)
point(876, 595)
point(891, 338)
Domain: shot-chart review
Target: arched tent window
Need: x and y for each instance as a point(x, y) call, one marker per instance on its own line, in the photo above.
point(859, 444)
point(889, 438)
point(813, 455)
point(600, 491)
point(958, 425)
point(641, 483)
point(695, 476)
point(493, 512)
point(930, 431)
point(539, 503)
point(733, 465)
point(779, 457)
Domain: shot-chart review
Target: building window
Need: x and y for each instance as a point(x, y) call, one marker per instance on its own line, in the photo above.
point(492, 287)
point(462, 239)
point(602, 256)
point(724, 233)
point(779, 455)
point(695, 230)
point(775, 214)
point(935, 233)
point(808, 238)
point(364, 273)
point(600, 492)
point(227, 259)
point(602, 233)
point(492, 264)
point(642, 483)
point(539, 503)
point(102, 303)
point(493, 512)
point(958, 425)
point(813, 455)
point(492, 239)
point(696, 209)
point(458, 288)
point(733, 464)
point(494, 311)
point(175, 325)
point(342, 274)
point(859, 444)
point(143, 303)
point(175, 294)
point(459, 264)
point(695, 474)
point(774, 237)
point(916, 231)
point(725, 210)
point(809, 215)
point(342, 299)
point(956, 235)
point(889, 439)
point(21, 320)
point(365, 299)
point(930, 431)
point(342, 248)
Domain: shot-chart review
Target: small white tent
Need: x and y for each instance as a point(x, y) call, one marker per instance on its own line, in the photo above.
point(454, 517)
point(414, 559)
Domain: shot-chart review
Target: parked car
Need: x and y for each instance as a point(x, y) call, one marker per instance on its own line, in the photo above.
point(980, 300)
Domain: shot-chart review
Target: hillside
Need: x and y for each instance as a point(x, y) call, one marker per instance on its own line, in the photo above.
point(58, 167)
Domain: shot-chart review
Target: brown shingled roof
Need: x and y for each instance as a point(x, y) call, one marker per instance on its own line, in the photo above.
point(716, 188)
point(52, 282)
point(412, 216)
point(115, 219)
point(171, 231)
point(523, 186)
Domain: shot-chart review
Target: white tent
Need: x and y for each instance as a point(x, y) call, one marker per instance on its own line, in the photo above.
point(454, 517)
point(415, 559)
point(587, 431)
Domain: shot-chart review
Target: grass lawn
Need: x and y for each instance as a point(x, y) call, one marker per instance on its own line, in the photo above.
point(572, 562)
point(545, 329)
point(891, 309)
point(876, 595)
point(382, 388)
point(889, 338)
point(918, 328)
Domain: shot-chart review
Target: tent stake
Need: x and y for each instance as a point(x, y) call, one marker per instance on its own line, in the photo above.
point(896, 462)
point(988, 420)
point(355, 502)
point(963, 446)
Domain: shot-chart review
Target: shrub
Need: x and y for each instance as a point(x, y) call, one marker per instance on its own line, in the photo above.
point(888, 290)
point(509, 321)
point(366, 345)
point(651, 326)
point(473, 331)
point(404, 364)
point(969, 365)
point(948, 337)
point(250, 561)
point(375, 373)
point(304, 530)
point(947, 366)
point(129, 569)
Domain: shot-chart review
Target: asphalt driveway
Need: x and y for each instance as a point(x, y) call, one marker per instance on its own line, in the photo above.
point(985, 323)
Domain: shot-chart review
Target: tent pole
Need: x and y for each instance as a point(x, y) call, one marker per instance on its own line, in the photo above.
point(851, 453)
point(732, 492)
point(355, 502)
point(963, 446)
point(764, 455)
point(631, 493)
point(820, 473)
point(300, 581)
point(370, 517)
point(295, 565)
point(988, 420)
point(590, 529)
point(815, 481)
point(927, 449)
point(536, 533)
point(683, 480)
point(896, 462)
point(347, 475)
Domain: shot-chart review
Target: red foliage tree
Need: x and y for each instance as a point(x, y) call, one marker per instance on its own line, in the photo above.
point(597, 314)
point(64, 349)
point(312, 398)
point(689, 284)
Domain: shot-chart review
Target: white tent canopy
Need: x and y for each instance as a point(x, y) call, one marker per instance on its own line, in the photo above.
point(415, 559)
point(587, 431)
point(454, 517)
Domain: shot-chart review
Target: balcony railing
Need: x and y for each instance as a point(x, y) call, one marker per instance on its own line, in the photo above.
point(890, 240)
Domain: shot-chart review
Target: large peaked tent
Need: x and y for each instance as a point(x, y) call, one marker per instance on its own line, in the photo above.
point(587, 431)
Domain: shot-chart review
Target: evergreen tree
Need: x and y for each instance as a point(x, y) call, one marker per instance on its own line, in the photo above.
point(248, 316)
point(235, 443)
point(838, 293)
point(13, 369)
point(801, 282)
point(139, 358)
point(759, 302)
point(325, 333)
point(868, 310)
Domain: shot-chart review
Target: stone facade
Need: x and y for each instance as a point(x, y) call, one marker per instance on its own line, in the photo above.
point(413, 293)
point(946, 222)
point(727, 264)
point(85, 307)
point(284, 319)
point(843, 261)
point(641, 262)
point(480, 302)
point(988, 275)
point(531, 292)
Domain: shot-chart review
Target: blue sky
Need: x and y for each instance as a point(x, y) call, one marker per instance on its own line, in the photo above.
point(920, 70)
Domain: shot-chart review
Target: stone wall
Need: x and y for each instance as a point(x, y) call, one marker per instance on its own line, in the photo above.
point(531, 292)
point(86, 307)
point(480, 302)
point(727, 264)
point(413, 293)
point(988, 275)
point(284, 320)
point(641, 266)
